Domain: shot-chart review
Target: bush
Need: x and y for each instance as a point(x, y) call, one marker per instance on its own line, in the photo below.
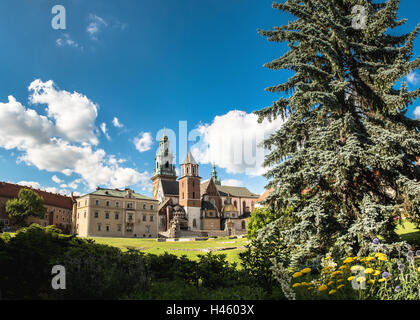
point(92, 271)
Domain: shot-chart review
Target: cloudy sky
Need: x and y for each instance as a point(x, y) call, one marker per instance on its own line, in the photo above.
point(85, 106)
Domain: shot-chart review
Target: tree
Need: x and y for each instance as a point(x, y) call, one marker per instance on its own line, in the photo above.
point(344, 159)
point(260, 217)
point(28, 203)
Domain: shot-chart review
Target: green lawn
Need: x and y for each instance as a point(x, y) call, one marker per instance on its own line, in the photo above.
point(408, 232)
point(178, 248)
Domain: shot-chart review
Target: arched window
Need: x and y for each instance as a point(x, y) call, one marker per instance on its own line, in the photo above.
point(167, 164)
point(193, 195)
point(235, 204)
point(244, 206)
point(187, 170)
point(194, 223)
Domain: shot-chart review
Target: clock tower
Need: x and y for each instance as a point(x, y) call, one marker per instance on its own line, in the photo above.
point(164, 166)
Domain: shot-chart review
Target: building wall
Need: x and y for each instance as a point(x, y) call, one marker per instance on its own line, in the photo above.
point(249, 202)
point(193, 213)
point(108, 219)
point(210, 224)
point(60, 217)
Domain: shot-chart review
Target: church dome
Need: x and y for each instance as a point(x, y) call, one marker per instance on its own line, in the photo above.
point(229, 208)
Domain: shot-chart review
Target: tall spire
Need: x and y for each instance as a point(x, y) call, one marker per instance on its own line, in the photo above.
point(189, 159)
point(214, 175)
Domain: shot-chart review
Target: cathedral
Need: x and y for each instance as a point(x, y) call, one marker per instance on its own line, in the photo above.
point(190, 207)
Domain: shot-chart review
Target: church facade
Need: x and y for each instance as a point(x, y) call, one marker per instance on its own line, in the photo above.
point(188, 206)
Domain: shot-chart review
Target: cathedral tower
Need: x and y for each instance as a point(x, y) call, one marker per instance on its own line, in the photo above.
point(164, 167)
point(189, 191)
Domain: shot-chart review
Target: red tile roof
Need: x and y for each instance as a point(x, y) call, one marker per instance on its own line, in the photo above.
point(265, 195)
point(9, 190)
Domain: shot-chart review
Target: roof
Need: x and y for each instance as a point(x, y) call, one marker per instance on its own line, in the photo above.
point(207, 205)
point(10, 190)
point(265, 194)
point(170, 187)
point(189, 158)
point(118, 193)
point(236, 192)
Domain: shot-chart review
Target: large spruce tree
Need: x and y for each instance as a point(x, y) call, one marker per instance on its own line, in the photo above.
point(344, 161)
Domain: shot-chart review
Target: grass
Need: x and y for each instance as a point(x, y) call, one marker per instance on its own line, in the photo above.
point(178, 248)
point(408, 232)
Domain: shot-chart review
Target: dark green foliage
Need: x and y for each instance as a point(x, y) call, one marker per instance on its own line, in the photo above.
point(347, 148)
point(92, 271)
point(260, 217)
point(179, 290)
point(28, 203)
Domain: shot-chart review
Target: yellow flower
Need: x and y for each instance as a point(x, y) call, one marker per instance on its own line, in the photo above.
point(327, 258)
point(310, 288)
point(296, 285)
point(361, 279)
point(340, 280)
point(382, 258)
point(326, 268)
point(376, 273)
point(350, 278)
point(342, 267)
point(348, 260)
point(418, 269)
point(336, 273)
point(369, 271)
point(356, 268)
point(306, 270)
point(355, 258)
point(371, 281)
point(370, 259)
point(363, 259)
point(297, 274)
point(330, 283)
point(322, 288)
point(340, 286)
point(332, 291)
point(382, 280)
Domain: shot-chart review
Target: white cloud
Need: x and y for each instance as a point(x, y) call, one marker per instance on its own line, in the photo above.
point(417, 112)
point(56, 143)
point(232, 183)
point(105, 130)
point(413, 78)
point(56, 179)
point(95, 25)
point(22, 127)
point(36, 185)
point(74, 114)
point(117, 123)
point(143, 142)
point(66, 40)
point(232, 142)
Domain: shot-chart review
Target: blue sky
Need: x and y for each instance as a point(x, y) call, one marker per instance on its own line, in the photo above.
point(148, 63)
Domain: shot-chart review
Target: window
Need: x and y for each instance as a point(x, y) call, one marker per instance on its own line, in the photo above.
point(129, 205)
point(107, 228)
point(151, 207)
point(193, 195)
point(117, 216)
point(193, 171)
point(194, 223)
point(106, 215)
point(243, 225)
point(144, 207)
point(117, 204)
point(96, 202)
point(151, 218)
point(130, 217)
point(57, 216)
point(107, 203)
point(99, 227)
point(96, 214)
point(144, 218)
point(119, 227)
point(183, 196)
point(148, 229)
